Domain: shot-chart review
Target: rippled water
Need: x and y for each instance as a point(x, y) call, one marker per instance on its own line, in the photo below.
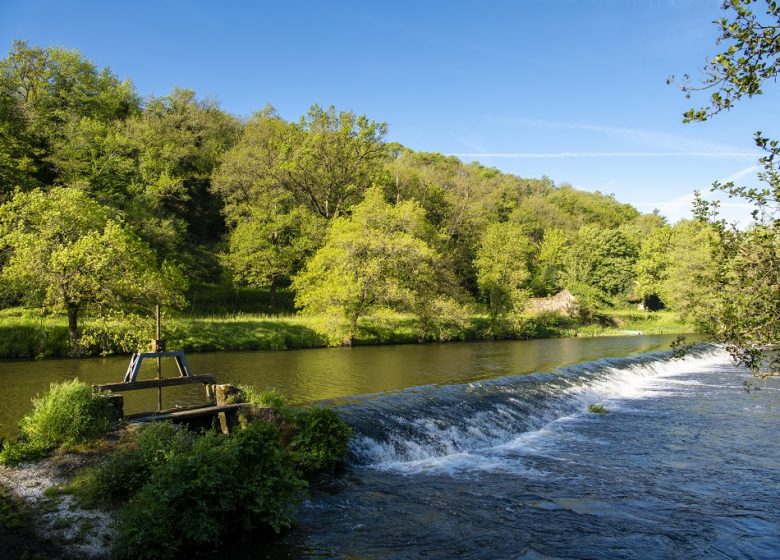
point(685, 464)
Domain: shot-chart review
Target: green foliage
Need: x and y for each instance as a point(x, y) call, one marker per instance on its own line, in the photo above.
point(602, 259)
point(744, 304)
point(502, 268)
point(219, 488)
point(652, 263)
point(376, 258)
point(64, 251)
point(68, 414)
point(550, 263)
point(751, 56)
point(320, 440)
point(270, 397)
point(597, 408)
point(127, 469)
point(692, 271)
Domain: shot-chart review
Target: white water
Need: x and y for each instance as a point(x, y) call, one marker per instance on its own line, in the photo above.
point(496, 437)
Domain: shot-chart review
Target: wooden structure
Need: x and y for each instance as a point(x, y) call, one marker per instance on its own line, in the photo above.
point(204, 415)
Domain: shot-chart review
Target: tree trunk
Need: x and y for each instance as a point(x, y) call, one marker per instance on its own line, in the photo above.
point(73, 324)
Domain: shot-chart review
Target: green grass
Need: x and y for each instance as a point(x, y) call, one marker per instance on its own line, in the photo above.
point(621, 322)
point(597, 409)
point(25, 333)
point(67, 415)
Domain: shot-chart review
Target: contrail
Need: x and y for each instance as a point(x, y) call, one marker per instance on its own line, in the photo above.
point(560, 155)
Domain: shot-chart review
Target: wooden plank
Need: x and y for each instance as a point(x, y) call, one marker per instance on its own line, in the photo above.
point(186, 413)
point(205, 379)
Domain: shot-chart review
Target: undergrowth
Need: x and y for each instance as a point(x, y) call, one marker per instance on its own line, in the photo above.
point(27, 333)
point(67, 415)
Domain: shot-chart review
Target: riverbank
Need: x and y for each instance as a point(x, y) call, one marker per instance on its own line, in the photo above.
point(25, 333)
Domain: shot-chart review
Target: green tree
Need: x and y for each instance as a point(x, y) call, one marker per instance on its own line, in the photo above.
point(44, 92)
point(271, 244)
point(326, 160)
point(376, 258)
point(602, 259)
point(652, 264)
point(692, 271)
point(550, 262)
point(746, 304)
point(502, 265)
point(64, 251)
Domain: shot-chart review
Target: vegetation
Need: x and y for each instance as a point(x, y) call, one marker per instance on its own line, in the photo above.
point(27, 334)
point(207, 491)
point(212, 490)
point(320, 439)
point(597, 408)
point(745, 265)
point(69, 414)
point(110, 204)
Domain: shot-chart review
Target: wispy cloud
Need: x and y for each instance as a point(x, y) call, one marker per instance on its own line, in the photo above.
point(681, 207)
point(558, 155)
point(734, 177)
point(663, 142)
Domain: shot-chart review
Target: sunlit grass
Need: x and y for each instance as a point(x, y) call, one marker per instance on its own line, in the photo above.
point(28, 333)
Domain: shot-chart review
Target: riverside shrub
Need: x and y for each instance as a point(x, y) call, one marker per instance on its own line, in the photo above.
point(320, 441)
point(68, 414)
point(128, 468)
point(221, 488)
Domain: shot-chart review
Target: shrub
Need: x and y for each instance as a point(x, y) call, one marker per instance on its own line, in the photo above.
point(597, 408)
point(126, 470)
point(220, 487)
point(320, 440)
point(68, 414)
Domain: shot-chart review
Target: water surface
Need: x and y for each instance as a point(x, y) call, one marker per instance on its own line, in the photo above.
point(685, 464)
point(317, 374)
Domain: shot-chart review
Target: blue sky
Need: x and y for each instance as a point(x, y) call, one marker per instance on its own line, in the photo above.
point(575, 90)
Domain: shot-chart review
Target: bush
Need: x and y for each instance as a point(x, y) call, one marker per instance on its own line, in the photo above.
point(67, 415)
point(219, 488)
point(597, 408)
point(320, 440)
point(126, 470)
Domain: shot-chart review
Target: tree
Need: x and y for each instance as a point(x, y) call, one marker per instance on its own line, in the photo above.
point(326, 160)
point(651, 266)
point(602, 259)
point(691, 273)
point(746, 306)
point(270, 245)
point(550, 262)
point(376, 258)
point(64, 251)
point(44, 93)
point(502, 265)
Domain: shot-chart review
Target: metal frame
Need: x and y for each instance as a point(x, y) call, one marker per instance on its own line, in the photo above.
point(137, 358)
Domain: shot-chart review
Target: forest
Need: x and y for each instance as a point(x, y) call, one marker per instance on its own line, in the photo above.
point(112, 202)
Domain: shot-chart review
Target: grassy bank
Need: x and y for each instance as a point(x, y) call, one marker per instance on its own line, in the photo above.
point(25, 333)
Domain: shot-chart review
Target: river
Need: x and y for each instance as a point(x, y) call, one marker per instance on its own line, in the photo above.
point(488, 450)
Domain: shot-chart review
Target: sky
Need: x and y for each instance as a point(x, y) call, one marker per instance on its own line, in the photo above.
point(574, 90)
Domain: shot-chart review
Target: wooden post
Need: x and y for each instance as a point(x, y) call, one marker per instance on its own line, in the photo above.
point(159, 361)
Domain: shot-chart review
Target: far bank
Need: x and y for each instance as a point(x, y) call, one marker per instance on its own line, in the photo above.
point(26, 333)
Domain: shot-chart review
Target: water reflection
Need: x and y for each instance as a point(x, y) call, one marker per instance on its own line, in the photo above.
point(318, 374)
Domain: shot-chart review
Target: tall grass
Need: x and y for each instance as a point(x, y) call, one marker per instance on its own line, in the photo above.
point(25, 333)
point(68, 414)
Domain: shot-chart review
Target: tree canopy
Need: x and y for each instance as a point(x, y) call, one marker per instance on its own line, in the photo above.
point(64, 251)
point(746, 307)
